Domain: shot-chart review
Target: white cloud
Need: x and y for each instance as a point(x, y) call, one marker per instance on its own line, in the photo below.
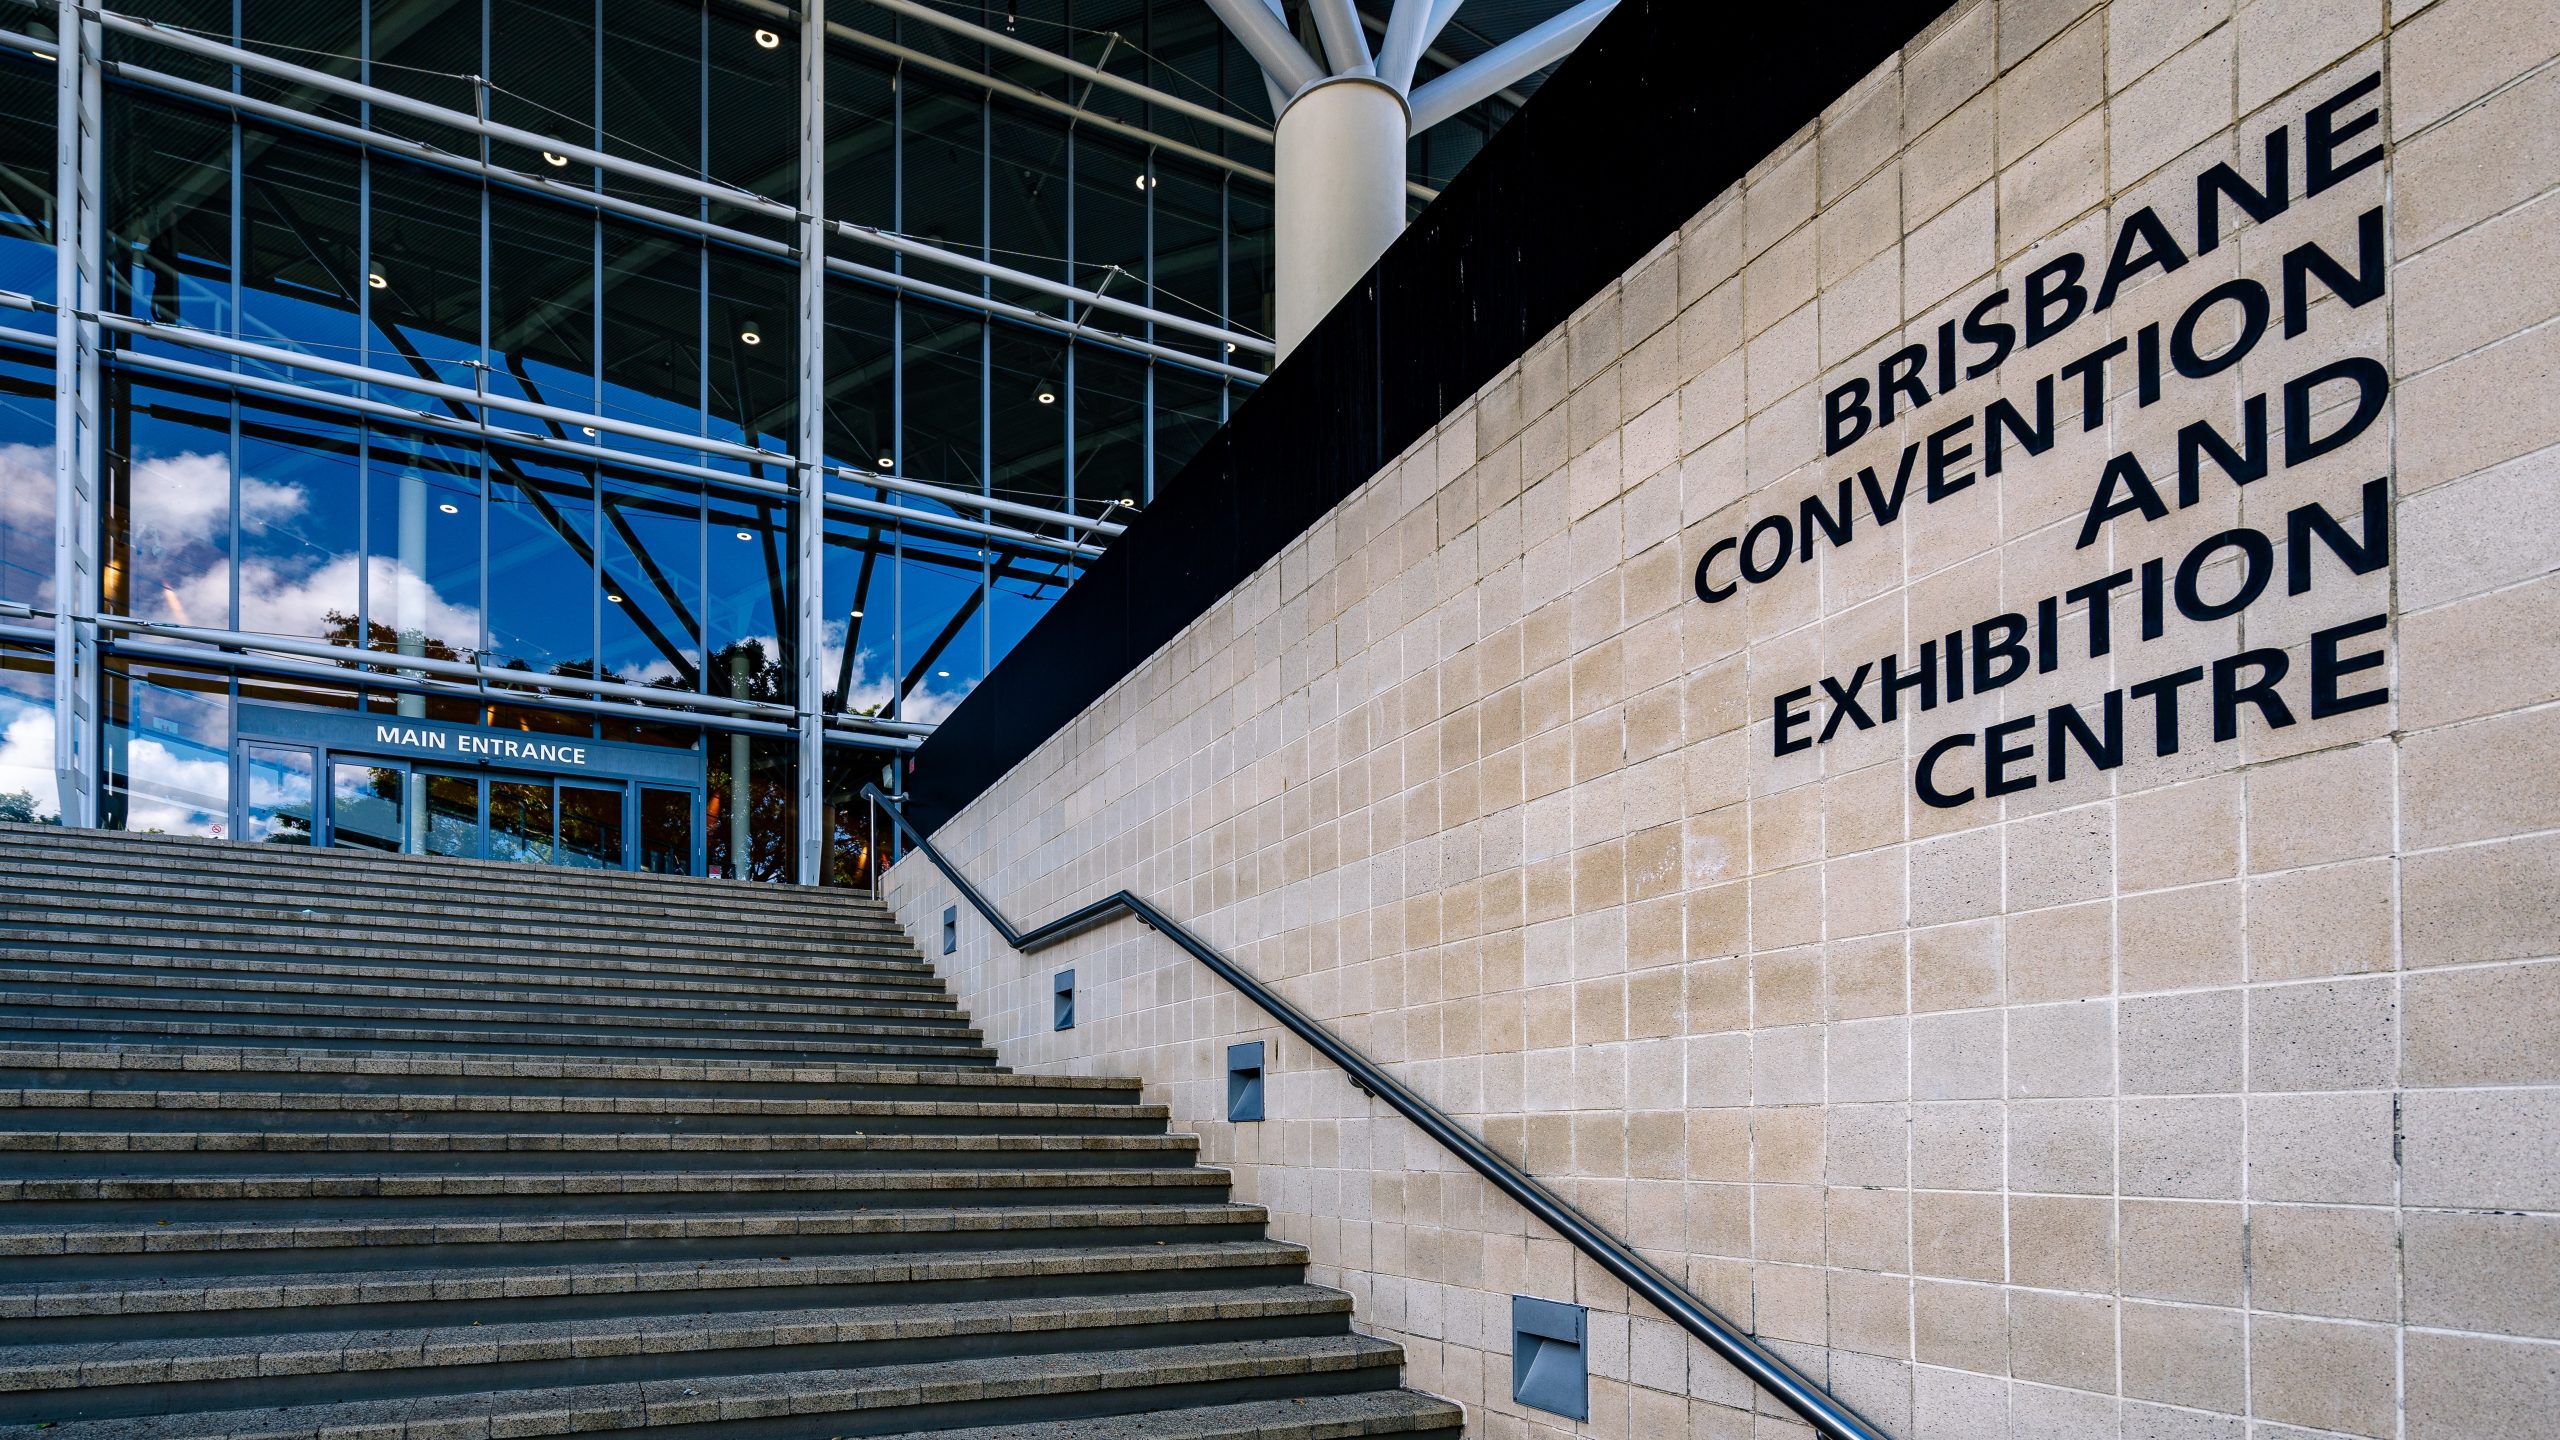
point(26, 753)
point(26, 513)
point(277, 602)
point(183, 500)
point(174, 793)
point(26, 486)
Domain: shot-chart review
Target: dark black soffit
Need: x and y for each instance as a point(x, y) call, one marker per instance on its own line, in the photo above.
point(1662, 108)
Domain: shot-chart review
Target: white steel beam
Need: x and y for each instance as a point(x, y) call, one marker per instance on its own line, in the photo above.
point(1051, 103)
point(1401, 49)
point(1515, 59)
point(79, 224)
point(935, 254)
point(584, 155)
point(1269, 42)
point(1346, 44)
point(1015, 45)
point(1069, 328)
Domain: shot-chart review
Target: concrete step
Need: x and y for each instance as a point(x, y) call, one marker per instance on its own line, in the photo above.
point(335, 1144)
point(73, 983)
point(143, 931)
point(399, 1110)
point(62, 1271)
point(522, 1192)
point(108, 847)
point(290, 930)
point(83, 884)
point(622, 1016)
point(878, 1400)
point(907, 983)
point(107, 1146)
point(128, 1377)
point(109, 1068)
point(1406, 1414)
point(425, 970)
point(419, 1034)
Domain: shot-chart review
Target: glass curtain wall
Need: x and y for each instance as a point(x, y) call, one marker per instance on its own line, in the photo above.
point(388, 378)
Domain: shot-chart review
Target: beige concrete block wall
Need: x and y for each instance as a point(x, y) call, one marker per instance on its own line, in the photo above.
point(2215, 1095)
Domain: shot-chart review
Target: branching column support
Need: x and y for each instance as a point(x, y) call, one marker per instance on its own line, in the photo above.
point(809, 650)
point(77, 295)
point(1343, 121)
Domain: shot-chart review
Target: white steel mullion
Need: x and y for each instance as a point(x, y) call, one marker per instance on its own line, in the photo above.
point(77, 272)
point(810, 688)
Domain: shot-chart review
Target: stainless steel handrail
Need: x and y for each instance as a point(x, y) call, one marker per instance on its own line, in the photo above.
point(1816, 1406)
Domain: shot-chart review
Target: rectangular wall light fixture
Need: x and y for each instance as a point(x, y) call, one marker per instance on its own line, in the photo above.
point(1063, 994)
point(1244, 1081)
point(1548, 1371)
point(950, 928)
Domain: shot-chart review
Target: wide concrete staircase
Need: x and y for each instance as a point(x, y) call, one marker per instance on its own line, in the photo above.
point(320, 1144)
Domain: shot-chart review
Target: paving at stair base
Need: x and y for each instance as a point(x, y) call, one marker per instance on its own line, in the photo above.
point(316, 1144)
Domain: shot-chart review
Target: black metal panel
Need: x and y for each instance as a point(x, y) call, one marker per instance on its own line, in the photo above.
point(1664, 106)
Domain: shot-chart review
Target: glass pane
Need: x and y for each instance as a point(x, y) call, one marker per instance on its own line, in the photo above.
point(542, 318)
point(755, 103)
point(666, 832)
point(1028, 405)
point(1111, 431)
point(1188, 226)
point(283, 795)
point(365, 806)
point(300, 534)
point(26, 482)
point(520, 820)
point(26, 182)
point(542, 586)
point(754, 353)
point(941, 628)
point(26, 737)
point(423, 276)
point(168, 510)
point(862, 136)
point(427, 51)
point(651, 539)
point(652, 99)
point(423, 575)
point(861, 375)
point(751, 804)
point(453, 816)
point(861, 616)
point(940, 422)
point(942, 150)
point(590, 827)
point(299, 265)
point(169, 212)
point(652, 331)
point(531, 89)
point(168, 750)
point(1114, 183)
point(748, 546)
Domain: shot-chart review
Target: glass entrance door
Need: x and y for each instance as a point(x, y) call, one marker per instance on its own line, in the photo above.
point(297, 795)
point(522, 817)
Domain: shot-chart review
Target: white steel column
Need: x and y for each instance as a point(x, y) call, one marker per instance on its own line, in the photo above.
point(77, 293)
point(809, 449)
point(1340, 161)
